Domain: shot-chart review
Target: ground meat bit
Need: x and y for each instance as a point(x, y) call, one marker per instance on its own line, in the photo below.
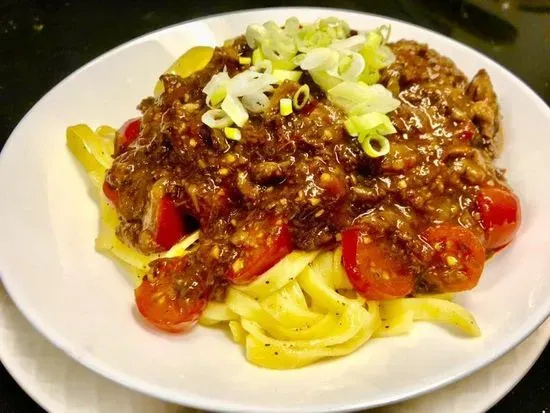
point(439, 98)
point(305, 169)
point(485, 112)
point(268, 172)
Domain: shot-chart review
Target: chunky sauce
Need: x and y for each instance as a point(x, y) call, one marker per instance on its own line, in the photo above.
point(306, 171)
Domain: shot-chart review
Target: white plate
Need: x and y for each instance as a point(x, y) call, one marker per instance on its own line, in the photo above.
point(61, 385)
point(81, 302)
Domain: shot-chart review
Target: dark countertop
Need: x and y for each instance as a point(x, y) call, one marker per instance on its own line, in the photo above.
point(42, 41)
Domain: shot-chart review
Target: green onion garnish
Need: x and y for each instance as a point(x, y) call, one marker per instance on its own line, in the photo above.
point(282, 75)
point(301, 97)
point(285, 106)
point(369, 124)
point(347, 68)
point(216, 118)
point(257, 56)
point(232, 133)
point(381, 145)
point(235, 110)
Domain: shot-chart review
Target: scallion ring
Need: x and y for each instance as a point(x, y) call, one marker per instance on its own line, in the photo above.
point(292, 25)
point(254, 33)
point(375, 145)
point(216, 118)
point(301, 97)
point(264, 66)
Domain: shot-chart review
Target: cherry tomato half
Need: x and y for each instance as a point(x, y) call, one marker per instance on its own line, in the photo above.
point(261, 244)
point(375, 269)
point(127, 134)
point(169, 227)
point(162, 221)
point(111, 194)
point(500, 215)
point(175, 299)
point(458, 258)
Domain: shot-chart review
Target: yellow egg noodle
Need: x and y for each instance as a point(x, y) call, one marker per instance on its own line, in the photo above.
point(301, 310)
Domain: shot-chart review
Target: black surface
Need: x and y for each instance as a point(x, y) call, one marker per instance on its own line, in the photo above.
point(41, 42)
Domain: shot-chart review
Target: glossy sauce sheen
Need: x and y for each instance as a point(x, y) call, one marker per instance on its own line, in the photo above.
point(304, 169)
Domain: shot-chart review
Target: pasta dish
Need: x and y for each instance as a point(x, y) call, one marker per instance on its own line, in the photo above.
point(307, 187)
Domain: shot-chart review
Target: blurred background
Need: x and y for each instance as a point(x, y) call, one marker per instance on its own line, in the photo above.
point(42, 41)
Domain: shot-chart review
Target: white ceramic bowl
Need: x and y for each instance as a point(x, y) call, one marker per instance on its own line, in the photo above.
point(81, 301)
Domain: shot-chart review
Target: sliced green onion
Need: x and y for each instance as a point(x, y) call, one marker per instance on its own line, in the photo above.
point(339, 27)
point(292, 25)
point(351, 127)
point(353, 43)
point(271, 26)
point(321, 58)
point(257, 56)
point(351, 66)
point(301, 97)
point(215, 82)
point(232, 133)
point(369, 124)
point(285, 106)
point(385, 31)
point(254, 33)
point(376, 54)
point(385, 56)
point(310, 38)
point(235, 110)
point(298, 59)
point(249, 82)
point(256, 103)
point(275, 47)
point(263, 66)
point(282, 75)
point(216, 118)
point(324, 79)
point(375, 145)
point(218, 96)
point(345, 67)
point(358, 98)
point(215, 89)
point(370, 77)
point(283, 64)
point(374, 39)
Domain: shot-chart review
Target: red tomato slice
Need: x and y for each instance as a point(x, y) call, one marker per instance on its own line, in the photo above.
point(261, 244)
point(458, 258)
point(169, 227)
point(375, 269)
point(167, 307)
point(162, 220)
point(500, 215)
point(111, 194)
point(127, 134)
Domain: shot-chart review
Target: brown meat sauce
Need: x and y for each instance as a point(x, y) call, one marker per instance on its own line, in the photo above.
point(307, 169)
